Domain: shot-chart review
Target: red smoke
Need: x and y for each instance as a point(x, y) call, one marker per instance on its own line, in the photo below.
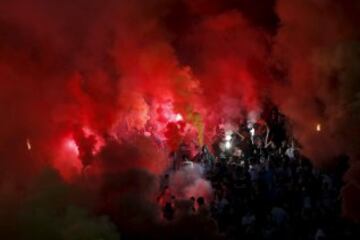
point(97, 86)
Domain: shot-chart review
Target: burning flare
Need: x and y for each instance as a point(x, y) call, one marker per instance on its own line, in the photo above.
point(318, 127)
point(28, 144)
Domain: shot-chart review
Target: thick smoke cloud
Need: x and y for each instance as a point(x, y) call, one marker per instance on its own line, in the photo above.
point(189, 182)
point(318, 46)
point(229, 56)
point(95, 88)
point(315, 49)
point(50, 208)
point(104, 65)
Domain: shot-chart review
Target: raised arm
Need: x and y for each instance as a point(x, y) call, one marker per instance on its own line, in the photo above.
point(240, 135)
point(267, 143)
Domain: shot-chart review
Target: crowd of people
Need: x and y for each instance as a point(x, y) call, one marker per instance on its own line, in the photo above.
point(263, 188)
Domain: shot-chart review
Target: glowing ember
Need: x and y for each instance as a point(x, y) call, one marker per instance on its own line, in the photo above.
point(28, 144)
point(318, 127)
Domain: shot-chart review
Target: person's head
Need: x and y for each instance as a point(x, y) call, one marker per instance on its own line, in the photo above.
point(168, 206)
point(258, 142)
point(201, 201)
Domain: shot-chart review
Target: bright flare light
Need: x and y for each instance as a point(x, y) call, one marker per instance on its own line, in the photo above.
point(227, 144)
point(318, 127)
point(71, 145)
point(178, 117)
point(28, 144)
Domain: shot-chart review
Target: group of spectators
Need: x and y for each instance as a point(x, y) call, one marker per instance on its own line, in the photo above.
point(263, 188)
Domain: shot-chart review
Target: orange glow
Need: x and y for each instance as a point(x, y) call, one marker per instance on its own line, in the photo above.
point(318, 127)
point(28, 144)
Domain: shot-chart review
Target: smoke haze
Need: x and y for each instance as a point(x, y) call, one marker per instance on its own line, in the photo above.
point(104, 90)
